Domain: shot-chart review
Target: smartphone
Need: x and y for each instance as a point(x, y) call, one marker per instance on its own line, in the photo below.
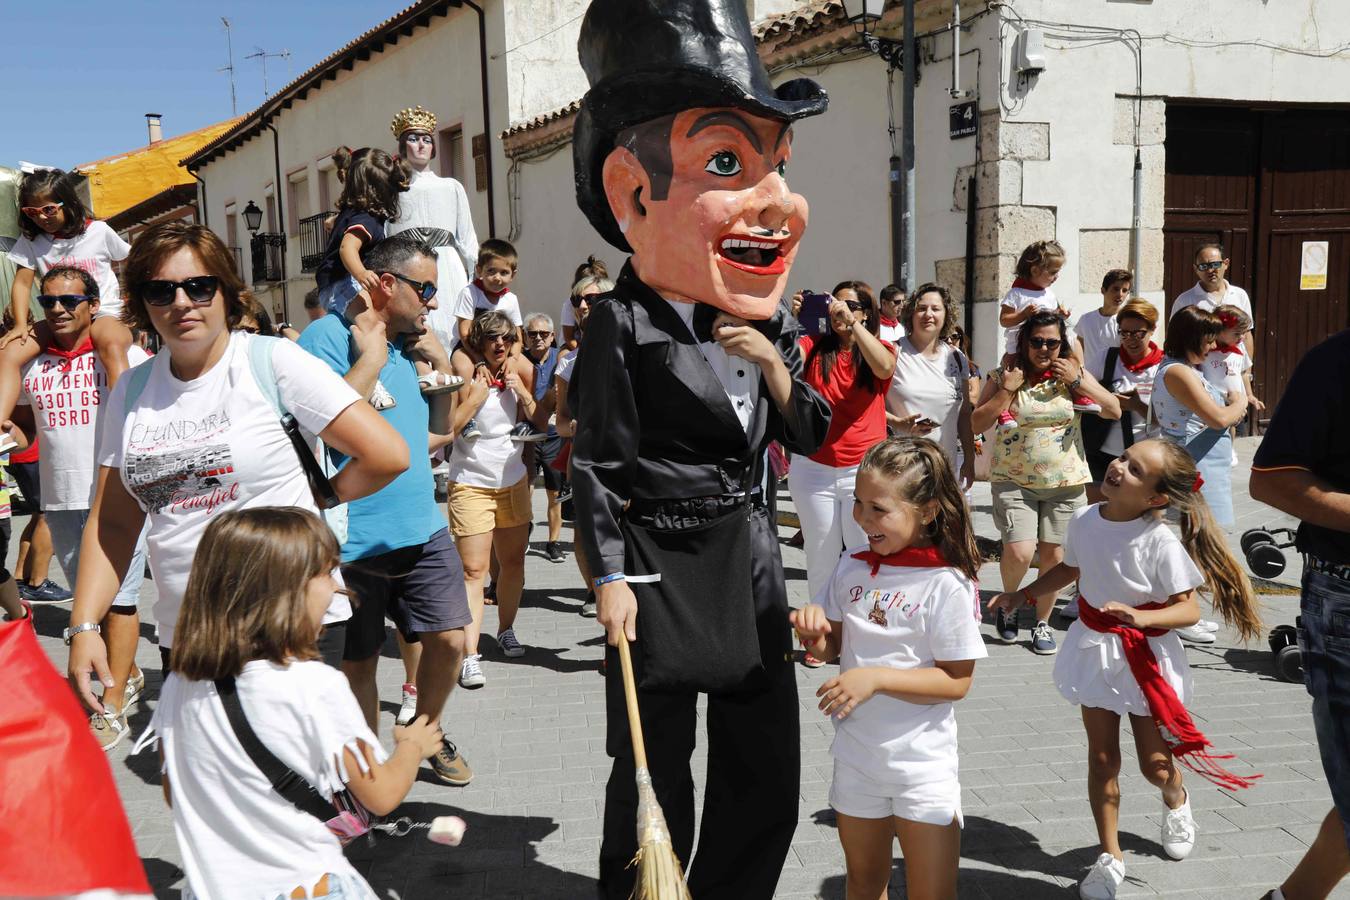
point(814, 315)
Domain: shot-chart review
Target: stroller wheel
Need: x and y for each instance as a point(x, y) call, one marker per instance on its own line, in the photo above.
point(1266, 560)
point(1255, 536)
point(1289, 664)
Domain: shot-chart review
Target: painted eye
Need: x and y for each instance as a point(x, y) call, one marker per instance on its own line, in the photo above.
point(724, 164)
point(781, 168)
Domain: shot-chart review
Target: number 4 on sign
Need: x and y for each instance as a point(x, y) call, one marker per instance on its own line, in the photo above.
point(961, 119)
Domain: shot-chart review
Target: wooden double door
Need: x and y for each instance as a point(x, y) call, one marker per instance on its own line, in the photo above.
point(1269, 184)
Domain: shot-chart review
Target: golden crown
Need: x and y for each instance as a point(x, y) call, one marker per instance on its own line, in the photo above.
point(414, 118)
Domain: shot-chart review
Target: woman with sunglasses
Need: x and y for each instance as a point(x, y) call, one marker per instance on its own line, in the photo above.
point(489, 486)
point(198, 436)
point(851, 368)
point(1038, 472)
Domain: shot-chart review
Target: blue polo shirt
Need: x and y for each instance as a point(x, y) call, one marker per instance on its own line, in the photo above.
point(404, 513)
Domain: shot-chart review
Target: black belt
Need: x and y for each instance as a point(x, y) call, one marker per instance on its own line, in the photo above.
point(686, 512)
point(1335, 570)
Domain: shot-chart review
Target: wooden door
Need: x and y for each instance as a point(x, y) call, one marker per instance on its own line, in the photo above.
point(1305, 197)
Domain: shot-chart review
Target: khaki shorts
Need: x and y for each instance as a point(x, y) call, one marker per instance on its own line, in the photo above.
point(477, 510)
point(1035, 514)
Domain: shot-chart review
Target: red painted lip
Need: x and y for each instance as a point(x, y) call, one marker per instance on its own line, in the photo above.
point(777, 267)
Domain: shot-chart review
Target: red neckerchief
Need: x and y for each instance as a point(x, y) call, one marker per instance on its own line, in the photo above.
point(1228, 348)
point(1026, 284)
point(916, 557)
point(478, 283)
point(889, 323)
point(85, 346)
point(1151, 358)
point(1174, 723)
point(1043, 376)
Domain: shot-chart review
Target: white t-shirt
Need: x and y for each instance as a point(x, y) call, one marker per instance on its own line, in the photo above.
point(491, 460)
point(904, 618)
point(1098, 334)
point(1122, 382)
point(1196, 296)
point(190, 449)
point(238, 836)
point(1224, 370)
point(933, 388)
point(94, 251)
point(472, 299)
point(1018, 299)
point(66, 395)
point(891, 333)
point(565, 366)
point(1146, 563)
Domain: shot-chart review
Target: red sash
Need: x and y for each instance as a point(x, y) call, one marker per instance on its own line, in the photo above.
point(1174, 723)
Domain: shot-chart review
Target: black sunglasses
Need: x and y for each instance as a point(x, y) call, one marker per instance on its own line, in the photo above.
point(581, 298)
point(1210, 266)
point(70, 301)
point(425, 289)
point(539, 334)
point(504, 338)
point(201, 290)
point(857, 307)
point(1045, 343)
point(1134, 332)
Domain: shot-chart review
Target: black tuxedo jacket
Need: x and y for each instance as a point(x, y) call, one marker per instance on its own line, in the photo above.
point(654, 422)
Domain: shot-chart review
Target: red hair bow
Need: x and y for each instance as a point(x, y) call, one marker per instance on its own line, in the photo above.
point(1197, 484)
point(1228, 319)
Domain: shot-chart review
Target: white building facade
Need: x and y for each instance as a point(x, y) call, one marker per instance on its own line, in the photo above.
point(1238, 111)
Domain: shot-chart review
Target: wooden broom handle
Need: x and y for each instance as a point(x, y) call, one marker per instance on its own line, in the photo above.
point(630, 696)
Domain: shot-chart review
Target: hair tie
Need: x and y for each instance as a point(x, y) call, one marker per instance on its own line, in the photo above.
point(1197, 484)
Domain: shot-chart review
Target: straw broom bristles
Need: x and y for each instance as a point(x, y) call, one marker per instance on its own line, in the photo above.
point(659, 876)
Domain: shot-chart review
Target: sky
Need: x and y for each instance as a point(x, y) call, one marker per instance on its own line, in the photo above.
point(79, 76)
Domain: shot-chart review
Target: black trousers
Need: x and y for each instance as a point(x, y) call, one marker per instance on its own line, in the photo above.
point(750, 798)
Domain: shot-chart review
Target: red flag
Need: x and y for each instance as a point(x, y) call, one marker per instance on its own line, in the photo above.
point(61, 818)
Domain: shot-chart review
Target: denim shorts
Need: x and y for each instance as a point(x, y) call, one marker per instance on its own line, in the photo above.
point(1324, 642)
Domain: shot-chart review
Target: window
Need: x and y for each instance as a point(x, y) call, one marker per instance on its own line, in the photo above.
point(450, 152)
point(297, 200)
point(231, 229)
point(271, 203)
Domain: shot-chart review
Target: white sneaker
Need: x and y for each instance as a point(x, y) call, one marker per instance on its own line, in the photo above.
point(510, 646)
point(1178, 830)
point(1196, 634)
point(408, 711)
point(1207, 625)
point(1103, 879)
point(471, 672)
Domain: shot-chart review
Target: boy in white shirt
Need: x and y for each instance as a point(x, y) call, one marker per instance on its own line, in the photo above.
point(1097, 330)
point(489, 290)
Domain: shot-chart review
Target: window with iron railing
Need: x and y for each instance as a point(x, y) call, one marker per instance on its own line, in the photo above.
point(238, 253)
point(312, 242)
point(267, 250)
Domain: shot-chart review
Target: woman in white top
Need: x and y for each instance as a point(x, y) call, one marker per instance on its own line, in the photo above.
point(489, 485)
point(929, 393)
point(201, 438)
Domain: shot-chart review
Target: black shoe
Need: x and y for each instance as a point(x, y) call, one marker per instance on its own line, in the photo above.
point(588, 607)
point(554, 551)
point(24, 588)
point(48, 592)
point(1005, 623)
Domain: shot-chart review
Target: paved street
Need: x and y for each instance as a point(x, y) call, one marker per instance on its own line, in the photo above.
point(535, 736)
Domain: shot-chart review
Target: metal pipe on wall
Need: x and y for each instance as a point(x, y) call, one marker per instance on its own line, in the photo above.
point(907, 219)
point(1136, 219)
point(281, 220)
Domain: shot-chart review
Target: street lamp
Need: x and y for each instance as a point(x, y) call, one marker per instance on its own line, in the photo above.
point(866, 11)
point(253, 217)
point(862, 13)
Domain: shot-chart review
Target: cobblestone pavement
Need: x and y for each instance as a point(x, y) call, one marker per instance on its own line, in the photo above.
point(535, 738)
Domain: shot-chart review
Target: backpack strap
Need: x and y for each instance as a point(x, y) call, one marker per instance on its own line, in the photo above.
point(260, 350)
point(285, 780)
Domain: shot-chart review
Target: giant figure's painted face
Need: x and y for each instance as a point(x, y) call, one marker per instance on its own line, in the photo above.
point(702, 197)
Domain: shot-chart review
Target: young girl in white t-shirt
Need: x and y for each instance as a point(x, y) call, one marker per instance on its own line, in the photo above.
point(1122, 656)
point(1228, 366)
point(902, 615)
point(57, 230)
point(255, 601)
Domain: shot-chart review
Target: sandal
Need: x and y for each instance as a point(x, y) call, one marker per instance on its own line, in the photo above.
point(439, 383)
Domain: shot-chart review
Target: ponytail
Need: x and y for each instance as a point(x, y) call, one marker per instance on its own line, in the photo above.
point(1227, 585)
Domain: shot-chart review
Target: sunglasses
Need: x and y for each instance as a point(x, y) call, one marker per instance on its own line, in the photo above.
point(953, 339)
point(584, 298)
point(249, 329)
point(1135, 332)
point(494, 338)
point(425, 289)
point(857, 307)
point(539, 335)
point(70, 301)
point(418, 139)
point(1210, 266)
point(201, 290)
point(48, 210)
point(1044, 343)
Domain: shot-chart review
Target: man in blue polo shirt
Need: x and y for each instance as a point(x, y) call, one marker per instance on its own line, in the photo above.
point(399, 559)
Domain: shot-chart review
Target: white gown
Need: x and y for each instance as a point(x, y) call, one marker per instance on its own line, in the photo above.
point(440, 208)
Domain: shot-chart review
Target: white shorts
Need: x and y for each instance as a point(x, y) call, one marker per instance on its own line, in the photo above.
point(933, 803)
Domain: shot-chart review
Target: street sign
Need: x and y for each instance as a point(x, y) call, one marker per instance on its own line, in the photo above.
point(961, 119)
point(1312, 274)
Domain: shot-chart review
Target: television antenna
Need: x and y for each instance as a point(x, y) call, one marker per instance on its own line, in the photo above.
point(229, 44)
point(264, 55)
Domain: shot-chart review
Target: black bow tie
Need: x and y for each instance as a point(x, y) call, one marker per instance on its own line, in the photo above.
point(704, 316)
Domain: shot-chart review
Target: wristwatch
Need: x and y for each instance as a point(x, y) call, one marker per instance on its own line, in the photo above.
point(76, 629)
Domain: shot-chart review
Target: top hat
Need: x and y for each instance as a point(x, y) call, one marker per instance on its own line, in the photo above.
point(650, 58)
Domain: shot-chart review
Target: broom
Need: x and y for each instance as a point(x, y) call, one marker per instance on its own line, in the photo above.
point(659, 876)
